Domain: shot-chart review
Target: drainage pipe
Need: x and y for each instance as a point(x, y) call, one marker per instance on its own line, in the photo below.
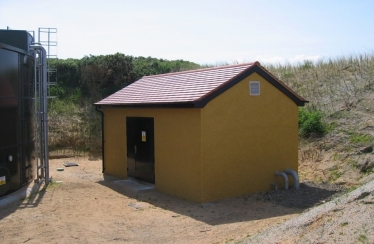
point(285, 178)
point(295, 177)
point(98, 109)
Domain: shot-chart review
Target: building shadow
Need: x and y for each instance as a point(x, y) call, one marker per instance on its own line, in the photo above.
point(307, 196)
point(231, 210)
point(28, 196)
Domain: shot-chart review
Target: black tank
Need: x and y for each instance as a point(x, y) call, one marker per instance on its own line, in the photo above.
point(17, 159)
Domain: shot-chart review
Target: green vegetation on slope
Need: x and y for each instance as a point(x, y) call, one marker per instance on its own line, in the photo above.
point(95, 77)
point(310, 121)
point(341, 95)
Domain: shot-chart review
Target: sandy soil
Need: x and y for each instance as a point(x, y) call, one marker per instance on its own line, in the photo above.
point(345, 219)
point(86, 208)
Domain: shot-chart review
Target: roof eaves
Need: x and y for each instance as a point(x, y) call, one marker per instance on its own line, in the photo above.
point(148, 105)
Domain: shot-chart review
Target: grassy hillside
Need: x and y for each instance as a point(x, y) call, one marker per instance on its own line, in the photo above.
point(343, 90)
point(331, 84)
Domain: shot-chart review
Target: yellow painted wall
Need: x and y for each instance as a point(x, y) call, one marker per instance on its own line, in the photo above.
point(115, 150)
point(177, 148)
point(233, 146)
point(246, 139)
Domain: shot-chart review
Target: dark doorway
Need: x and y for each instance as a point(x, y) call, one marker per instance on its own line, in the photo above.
point(140, 148)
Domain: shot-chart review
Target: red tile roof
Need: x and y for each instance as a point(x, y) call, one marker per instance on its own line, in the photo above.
point(192, 88)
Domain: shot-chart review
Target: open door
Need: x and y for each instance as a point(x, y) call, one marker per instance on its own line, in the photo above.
point(140, 148)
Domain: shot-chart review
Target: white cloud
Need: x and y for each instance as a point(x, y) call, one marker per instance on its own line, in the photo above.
point(270, 60)
point(301, 58)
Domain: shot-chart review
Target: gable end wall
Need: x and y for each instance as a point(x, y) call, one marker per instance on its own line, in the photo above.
point(246, 139)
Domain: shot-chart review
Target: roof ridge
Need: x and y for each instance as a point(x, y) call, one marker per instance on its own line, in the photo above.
point(204, 69)
point(283, 84)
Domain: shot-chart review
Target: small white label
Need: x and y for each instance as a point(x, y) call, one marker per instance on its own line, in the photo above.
point(2, 180)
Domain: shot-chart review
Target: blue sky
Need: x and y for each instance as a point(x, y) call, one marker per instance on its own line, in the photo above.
point(205, 32)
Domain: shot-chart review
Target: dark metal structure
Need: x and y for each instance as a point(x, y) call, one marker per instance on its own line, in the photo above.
point(23, 111)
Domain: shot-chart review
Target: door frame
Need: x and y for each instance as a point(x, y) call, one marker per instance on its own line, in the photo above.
point(140, 148)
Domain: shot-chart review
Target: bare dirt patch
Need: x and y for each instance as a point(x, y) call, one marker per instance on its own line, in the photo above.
point(86, 208)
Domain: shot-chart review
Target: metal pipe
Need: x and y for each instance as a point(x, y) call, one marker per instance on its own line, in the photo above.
point(45, 114)
point(36, 115)
point(97, 108)
point(44, 160)
point(295, 177)
point(285, 177)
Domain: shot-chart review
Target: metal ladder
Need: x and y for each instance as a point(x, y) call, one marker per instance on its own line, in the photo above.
point(47, 37)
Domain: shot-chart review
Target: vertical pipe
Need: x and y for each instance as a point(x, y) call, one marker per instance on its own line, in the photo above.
point(41, 125)
point(43, 111)
point(45, 116)
point(36, 122)
point(97, 108)
point(40, 114)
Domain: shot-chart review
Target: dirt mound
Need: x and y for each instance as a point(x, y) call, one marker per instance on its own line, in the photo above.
point(345, 219)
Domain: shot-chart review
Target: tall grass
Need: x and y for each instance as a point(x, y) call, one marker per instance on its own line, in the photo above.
point(330, 84)
point(74, 126)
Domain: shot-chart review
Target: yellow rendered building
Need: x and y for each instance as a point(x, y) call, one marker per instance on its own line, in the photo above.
point(205, 134)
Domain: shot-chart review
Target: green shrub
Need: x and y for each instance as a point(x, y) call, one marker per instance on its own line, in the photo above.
point(310, 122)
